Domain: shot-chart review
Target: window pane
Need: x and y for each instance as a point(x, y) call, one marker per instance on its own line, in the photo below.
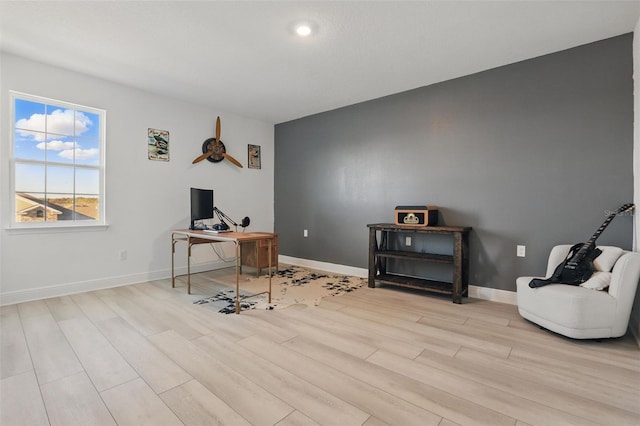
point(26, 145)
point(60, 179)
point(29, 178)
point(87, 208)
point(87, 151)
point(30, 208)
point(60, 121)
point(60, 149)
point(87, 181)
point(29, 115)
point(60, 207)
point(90, 126)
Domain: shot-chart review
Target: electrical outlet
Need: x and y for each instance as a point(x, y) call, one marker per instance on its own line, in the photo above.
point(305, 233)
point(521, 251)
point(407, 241)
point(123, 255)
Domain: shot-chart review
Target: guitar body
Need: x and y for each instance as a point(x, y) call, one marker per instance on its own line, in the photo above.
point(570, 271)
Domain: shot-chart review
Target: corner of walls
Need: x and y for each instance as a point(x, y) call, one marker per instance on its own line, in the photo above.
point(634, 324)
point(3, 166)
point(636, 135)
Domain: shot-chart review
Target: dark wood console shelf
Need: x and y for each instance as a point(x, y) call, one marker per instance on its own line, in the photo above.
point(379, 252)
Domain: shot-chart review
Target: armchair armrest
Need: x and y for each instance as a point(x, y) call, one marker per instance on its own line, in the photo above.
point(626, 274)
point(557, 255)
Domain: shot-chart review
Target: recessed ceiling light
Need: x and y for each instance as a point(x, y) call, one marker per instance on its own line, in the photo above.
point(303, 30)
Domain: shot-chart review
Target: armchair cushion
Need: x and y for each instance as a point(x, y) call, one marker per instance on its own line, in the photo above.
point(598, 281)
point(605, 261)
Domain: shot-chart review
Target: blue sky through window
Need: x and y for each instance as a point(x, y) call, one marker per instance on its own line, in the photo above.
point(55, 134)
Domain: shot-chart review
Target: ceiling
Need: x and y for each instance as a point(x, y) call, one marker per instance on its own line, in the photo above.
point(243, 57)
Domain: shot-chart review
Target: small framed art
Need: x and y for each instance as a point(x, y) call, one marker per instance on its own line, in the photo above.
point(254, 156)
point(158, 145)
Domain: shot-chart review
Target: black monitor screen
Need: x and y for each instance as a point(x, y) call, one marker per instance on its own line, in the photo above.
point(201, 205)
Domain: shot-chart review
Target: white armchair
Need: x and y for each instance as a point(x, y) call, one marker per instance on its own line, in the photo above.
point(579, 312)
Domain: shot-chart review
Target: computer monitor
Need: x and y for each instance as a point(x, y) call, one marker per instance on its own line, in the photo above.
point(201, 205)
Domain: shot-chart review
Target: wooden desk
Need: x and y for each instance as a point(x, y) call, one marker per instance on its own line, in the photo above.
point(201, 237)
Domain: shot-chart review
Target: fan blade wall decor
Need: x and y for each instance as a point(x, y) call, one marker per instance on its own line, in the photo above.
point(233, 160)
point(202, 157)
point(214, 150)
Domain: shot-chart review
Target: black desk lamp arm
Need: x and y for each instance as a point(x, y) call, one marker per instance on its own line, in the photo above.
point(222, 216)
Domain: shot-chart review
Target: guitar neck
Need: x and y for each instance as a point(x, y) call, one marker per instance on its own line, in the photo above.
point(592, 241)
point(596, 234)
point(589, 245)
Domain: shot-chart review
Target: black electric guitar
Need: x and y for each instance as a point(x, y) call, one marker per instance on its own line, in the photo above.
point(577, 267)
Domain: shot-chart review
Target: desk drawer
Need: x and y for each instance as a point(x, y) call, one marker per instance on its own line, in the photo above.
point(259, 259)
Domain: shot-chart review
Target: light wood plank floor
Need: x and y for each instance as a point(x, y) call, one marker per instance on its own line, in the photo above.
point(144, 354)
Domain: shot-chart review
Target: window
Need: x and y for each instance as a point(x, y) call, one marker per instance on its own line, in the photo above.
point(57, 163)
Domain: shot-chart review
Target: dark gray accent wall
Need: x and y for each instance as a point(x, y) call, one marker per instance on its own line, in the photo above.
point(533, 153)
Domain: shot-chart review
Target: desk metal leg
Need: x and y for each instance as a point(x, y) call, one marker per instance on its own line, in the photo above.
point(238, 266)
point(189, 245)
point(269, 252)
point(237, 278)
point(173, 252)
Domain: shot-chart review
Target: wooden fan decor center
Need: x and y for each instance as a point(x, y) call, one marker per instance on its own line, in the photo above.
point(214, 150)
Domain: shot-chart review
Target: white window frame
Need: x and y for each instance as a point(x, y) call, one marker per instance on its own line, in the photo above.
point(62, 225)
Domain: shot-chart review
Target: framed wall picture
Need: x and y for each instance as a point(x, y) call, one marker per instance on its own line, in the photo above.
point(254, 156)
point(158, 145)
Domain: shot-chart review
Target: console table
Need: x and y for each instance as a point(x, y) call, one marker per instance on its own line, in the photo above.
point(379, 252)
point(193, 237)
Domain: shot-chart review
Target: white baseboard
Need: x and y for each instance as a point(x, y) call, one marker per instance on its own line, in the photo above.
point(324, 266)
point(20, 296)
point(484, 293)
point(493, 294)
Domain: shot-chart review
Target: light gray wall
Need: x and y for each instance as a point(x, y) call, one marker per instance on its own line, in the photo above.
point(145, 199)
point(531, 153)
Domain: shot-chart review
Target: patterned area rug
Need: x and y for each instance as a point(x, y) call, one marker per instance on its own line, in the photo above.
point(288, 287)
